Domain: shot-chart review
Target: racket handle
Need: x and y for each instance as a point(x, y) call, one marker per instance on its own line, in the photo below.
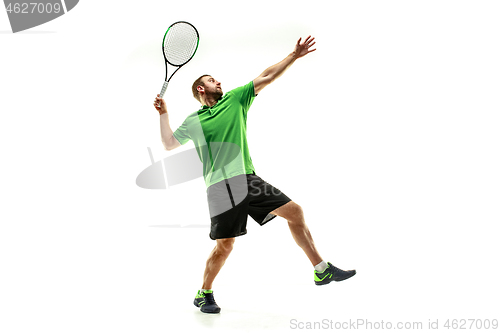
point(163, 89)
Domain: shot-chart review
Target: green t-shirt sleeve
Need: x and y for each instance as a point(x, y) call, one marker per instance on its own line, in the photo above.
point(245, 94)
point(182, 133)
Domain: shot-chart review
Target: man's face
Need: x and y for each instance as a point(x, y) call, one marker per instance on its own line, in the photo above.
point(211, 87)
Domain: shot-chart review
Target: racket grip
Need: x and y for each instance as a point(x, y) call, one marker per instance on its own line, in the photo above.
point(163, 89)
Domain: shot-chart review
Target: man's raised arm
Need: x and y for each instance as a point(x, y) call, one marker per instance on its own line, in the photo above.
point(167, 135)
point(275, 71)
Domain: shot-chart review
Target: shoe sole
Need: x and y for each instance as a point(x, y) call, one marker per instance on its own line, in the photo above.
point(321, 283)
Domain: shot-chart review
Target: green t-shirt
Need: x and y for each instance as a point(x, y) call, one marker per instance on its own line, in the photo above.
point(219, 134)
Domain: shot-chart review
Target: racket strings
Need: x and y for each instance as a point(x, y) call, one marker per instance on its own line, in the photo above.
point(180, 44)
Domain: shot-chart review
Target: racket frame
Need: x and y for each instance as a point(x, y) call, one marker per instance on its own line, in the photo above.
point(167, 78)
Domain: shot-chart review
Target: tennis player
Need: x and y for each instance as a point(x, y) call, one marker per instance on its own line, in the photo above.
point(234, 191)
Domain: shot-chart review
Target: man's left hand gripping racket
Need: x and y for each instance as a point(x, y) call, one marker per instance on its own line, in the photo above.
point(179, 46)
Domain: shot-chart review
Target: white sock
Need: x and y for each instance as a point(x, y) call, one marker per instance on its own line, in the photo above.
point(321, 266)
point(203, 290)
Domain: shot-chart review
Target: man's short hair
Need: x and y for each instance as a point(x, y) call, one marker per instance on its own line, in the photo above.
point(197, 83)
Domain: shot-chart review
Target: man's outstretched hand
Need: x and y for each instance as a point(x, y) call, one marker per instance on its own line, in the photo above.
point(301, 49)
point(275, 71)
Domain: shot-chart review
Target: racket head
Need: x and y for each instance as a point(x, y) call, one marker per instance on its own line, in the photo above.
point(180, 43)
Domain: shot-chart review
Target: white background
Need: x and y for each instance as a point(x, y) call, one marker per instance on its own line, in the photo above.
point(387, 136)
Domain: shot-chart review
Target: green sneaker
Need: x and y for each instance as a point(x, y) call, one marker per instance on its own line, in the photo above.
point(206, 302)
point(332, 273)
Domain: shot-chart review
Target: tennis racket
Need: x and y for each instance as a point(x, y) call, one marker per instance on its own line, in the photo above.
point(179, 46)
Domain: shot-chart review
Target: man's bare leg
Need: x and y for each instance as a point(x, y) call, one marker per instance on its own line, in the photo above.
point(205, 298)
point(295, 216)
point(216, 260)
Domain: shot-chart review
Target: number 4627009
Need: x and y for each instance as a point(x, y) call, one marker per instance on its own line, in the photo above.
point(463, 324)
point(33, 7)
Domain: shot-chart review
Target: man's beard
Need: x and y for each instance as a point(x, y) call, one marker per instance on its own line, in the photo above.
point(216, 95)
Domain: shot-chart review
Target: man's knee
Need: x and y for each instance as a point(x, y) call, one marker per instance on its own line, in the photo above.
point(295, 214)
point(225, 245)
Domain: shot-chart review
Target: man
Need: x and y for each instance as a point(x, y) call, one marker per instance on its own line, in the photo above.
point(234, 191)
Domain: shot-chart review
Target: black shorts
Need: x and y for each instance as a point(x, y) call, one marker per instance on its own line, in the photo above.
point(230, 201)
